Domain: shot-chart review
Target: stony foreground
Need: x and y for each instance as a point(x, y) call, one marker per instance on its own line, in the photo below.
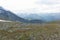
point(22, 31)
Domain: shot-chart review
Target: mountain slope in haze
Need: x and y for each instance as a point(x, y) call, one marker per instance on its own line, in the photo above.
point(36, 16)
point(43, 16)
point(8, 15)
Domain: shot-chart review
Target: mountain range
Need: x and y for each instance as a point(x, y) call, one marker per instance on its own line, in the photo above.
point(42, 16)
point(8, 15)
point(28, 18)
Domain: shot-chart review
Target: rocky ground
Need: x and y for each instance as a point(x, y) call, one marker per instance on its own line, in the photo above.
point(23, 31)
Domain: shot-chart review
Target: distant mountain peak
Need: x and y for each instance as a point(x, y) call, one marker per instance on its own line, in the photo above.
point(1, 8)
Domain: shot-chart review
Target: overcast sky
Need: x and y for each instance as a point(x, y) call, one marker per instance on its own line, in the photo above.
point(31, 6)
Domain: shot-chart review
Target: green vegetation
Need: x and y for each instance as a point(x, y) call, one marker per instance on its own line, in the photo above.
point(27, 31)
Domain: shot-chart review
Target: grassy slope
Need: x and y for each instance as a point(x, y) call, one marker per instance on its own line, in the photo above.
point(23, 31)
